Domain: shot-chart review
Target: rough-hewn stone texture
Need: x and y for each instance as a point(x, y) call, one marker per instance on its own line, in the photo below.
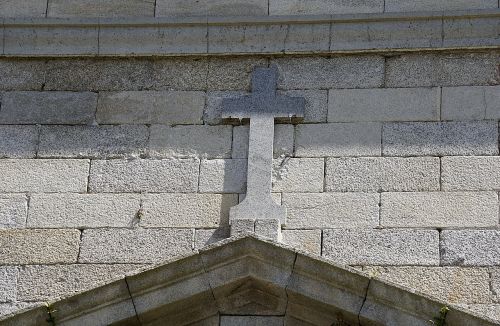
point(382, 174)
point(445, 138)
point(382, 247)
point(39, 246)
point(306, 240)
point(415, 70)
point(213, 107)
point(25, 8)
point(335, 72)
point(188, 74)
point(316, 103)
point(22, 74)
point(452, 284)
point(233, 73)
point(439, 209)
point(283, 141)
point(18, 141)
point(205, 237)
point(223, 176)
point(425, 5)
point(8, 286)
point(470, 103)
point(470, 247)
point(82, 210)
point(211, 8)
point(40, 283)
point(338, 139)
point(133, 245)
point(490, 310)
point(471, 173)
point(93, 141)
point(135, 107)
point(13, 211)
point(190, 141)
point(298, 7)
point(43, 175)
point(144, 176)
point(48, 107)
point(383, 104)
point(187, 210)
point(250, 321)
point(331, 210)
point(100, 8)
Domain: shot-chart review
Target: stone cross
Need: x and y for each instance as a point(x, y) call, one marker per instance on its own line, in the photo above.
point(262, 107)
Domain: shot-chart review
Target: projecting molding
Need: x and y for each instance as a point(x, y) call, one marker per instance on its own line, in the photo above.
point(474, 29)
point(246, 275)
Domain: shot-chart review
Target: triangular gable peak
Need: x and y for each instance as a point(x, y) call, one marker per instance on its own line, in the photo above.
point(246, 278)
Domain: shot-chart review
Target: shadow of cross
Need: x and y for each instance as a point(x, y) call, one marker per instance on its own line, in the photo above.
point(262, 107)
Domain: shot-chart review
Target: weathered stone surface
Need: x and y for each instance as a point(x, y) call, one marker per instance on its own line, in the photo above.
point(439, 209)
point(241, 225)
point(306, 240)
point(298, 7)
point(41, 282)
point(470, 247)
point(8, 286)
point(25, 8)
point(82, 210)
point(22, 74)
point(133, 245)
point(136, 107)
point(39, 246)
point(382, 247)
point(190, 141)
point(93, 141)
point(331, 210)
point(451, 284)
point(18, 141)
point(269, 228)
point(187, 73)
point(338, 139)
point(470, 103)
point(223, 176)
point(276, 196)
point(144, 176)
point(471, 173)
point(187, 210)
point(100, 8)
point(335, 72)
point(383, 104)
point(14, 307)
point(13, 211)
point(490, 310)
point(48, 107)
point(211, 8)
point(283, 141)
point(492, 99)
point(251, 321)
point(44, 175)
point(414, 70)
point(205, 237)
point(213, 107)
point(316, 103)
point(382, 174)
point(425, 5)
point(37, 315)
point(232, 73)
point(464, 31)
point(446, 138)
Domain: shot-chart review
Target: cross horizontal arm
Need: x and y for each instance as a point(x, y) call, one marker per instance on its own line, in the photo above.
point(277, 107)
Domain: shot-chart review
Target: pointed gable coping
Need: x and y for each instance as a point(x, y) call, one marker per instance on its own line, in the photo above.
point(245, 275)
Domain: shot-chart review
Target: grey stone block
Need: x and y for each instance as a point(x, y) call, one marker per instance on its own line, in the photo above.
point(44, 175)
point(240, 225)
point(298, 7)
point(93, 141)
point(495, 283)
point(134, 245)
point(470, 173)
point(450, 284)
point(146, 107)
point(382, 247)
point(384, 104)
point(490, 310)
point(25, 8)
point(100, 8)
point(22, 74)
point(269, 228)
point(470, 103)
point(275, 196)
point(205, 237)
point(338, 139)
point(446, 138)
point(427, 5)
point(211, 8)
point(187, 210)
point(186, 73)
point(37, 315)
point(144, 176)
point(18, 141)
point(470, 247)
point(306, 240)
point(82, 210)
point(8, 283)
point(480, 31)
point(14, 307)
point(334, 72)
point(316, 103)
point(307, 211)
point(223, 176)
point(382, 174)
point(39, 246)
point(213, 108)
point(439, 209)
point(251, 321)
point(42, 282)
point(283, 141)
point(13, 211)
point(415, 70)
point(226, 73)
point(48, 108)
point(190, 141)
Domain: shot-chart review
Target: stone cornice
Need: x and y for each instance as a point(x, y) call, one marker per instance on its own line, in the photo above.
point(327, 34)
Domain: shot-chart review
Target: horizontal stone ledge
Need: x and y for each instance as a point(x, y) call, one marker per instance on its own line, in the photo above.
point(167, 36)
